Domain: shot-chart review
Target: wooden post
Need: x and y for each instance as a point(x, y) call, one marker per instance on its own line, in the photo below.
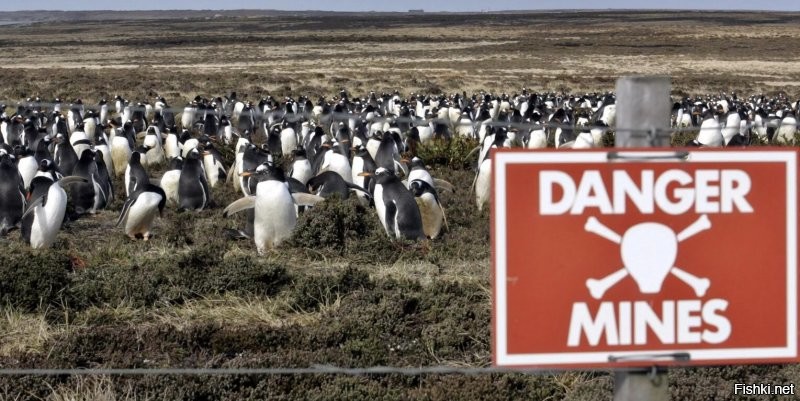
point(643, 103)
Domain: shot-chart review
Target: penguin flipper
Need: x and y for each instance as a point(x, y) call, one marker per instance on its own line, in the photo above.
point(445, 185)
point(32, 206)
point(391, 213)
point(71, 179)
point(248, 202)
point(126, 207)
point(304, 199)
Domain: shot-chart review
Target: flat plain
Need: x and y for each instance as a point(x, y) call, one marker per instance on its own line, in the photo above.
point(339, 293)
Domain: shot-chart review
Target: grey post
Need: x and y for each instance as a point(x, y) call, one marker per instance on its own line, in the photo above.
point(643, 103)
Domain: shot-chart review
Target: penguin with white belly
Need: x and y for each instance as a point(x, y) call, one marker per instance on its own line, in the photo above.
point(396, 207)
point(430, 207)
point(275, 214)
point(212, 162)
point(46, 208)
point(171, 178)
point(140, 209)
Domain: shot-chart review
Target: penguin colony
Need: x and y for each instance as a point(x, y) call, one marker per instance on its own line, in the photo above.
point(52, 153)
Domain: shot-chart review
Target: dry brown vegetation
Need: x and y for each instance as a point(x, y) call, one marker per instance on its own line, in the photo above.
point(189, 298)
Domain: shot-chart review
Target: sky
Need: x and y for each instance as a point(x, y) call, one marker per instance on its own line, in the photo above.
point(427, 5)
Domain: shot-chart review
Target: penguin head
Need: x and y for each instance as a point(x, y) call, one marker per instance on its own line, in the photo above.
point(46, 166)
point(420, 187)
point(417, 164)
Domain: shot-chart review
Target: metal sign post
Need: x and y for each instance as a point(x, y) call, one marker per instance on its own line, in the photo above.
point(643, 106)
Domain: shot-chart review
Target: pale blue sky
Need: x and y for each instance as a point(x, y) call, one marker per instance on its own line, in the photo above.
point(358, 5)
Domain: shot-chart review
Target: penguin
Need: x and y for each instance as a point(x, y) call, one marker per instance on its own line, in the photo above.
point(274, 206)
point(64, 155)
point(363, 163)
point(101, 147)
point(710, 132)
point(396, 207)
point(103, 179)
point(252, 157)
point(26, 165)
point(328, 183)
point(430, 208)
point(45, 211)
point(333, 160)
point(419, 172)
point(169, 181)
point(212, 162)
point(788, 128)
point(79, 140)
point(140, 209)
point(121, 148)
point(171, 147)
point(155, 152)
point(301, 167)
point(135, 174)
point(48, 169)
point(87, 196)
point(193, 190)
point(12, 194)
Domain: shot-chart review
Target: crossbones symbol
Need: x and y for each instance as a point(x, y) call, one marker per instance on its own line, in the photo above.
point(648, 251)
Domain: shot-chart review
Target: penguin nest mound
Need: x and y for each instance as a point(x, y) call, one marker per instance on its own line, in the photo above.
point(335, 225)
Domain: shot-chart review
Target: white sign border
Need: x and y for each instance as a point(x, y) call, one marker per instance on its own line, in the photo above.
point(500, 332)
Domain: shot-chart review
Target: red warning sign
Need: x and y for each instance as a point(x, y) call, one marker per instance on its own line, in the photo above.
point(642, 257)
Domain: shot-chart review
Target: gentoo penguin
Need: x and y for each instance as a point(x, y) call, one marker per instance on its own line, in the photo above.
point(301, 167)
point(194, 192)
point(12, 194)
point(26, 165)
point(363, 163)
point(328, 183)
point(140, 209)
point(135, 174)
point(79, 140)
point(396, 207)
point(252, 157)
point(64, 155)
point(45, 212)
point(212, 162)
point(275, 215)
point(430, 208)
point(48, 168)
point(87, 196)
point(710, 132)
point(787, 129)
point(103, 178)
point(419, 172)
point(101, 147)
point(225, 130)
point(172, 148)
point(121, 148)
point(155, 153)
point(171, 178)
point(333, 160)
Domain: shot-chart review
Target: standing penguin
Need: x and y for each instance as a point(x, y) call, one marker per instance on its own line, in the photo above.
point(12, 195)
point(135, 173)
point(64, 155)
point(212, 162)
point(430, 208)
point(171, 178)
point(87, 196)
point(275, 214)
point(121, 148)
point(45, 213)
point(193, 190)
point(301, 167)
point(155, 154)
point(396, 207)
point(140, 209)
